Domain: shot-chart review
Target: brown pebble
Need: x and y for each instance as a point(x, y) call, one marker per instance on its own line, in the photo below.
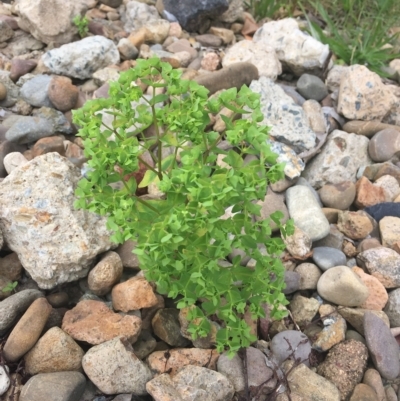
point(3, 91)
point(47, 145)
point(62, 93)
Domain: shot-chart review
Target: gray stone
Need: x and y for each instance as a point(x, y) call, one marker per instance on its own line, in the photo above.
point(13, 306)
point(193, 16)
point(46, 122)
point(392, 308)
point(303, 309)
point(35, 90)
point(292, 345)
point(333, 240)
point(382, 346)
point(260, 376)
point(12, 90)
point(340, 158)
point(306, 213)
point(40, 208)
point(355, 316)
point(305, 183)
point(233, 369)
point(60, 386)
point(273, 202)
point(309, 276)
point(6, 31)
point(115, 359)
point(292, 282)
point(326, 257)
point(138, 14)
point(295, 49)
point(384, 144)
point(342, 286)
point(315, 116)
point(287, 119)
point(82, 58)
point(312, 87)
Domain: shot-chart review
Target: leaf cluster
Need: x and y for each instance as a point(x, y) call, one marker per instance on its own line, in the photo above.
point(183, 242)
point(82, 23)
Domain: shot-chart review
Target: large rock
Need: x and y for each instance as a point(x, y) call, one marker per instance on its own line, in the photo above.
point(258, 54)
point(287, 119)
point(35, 90)
point(55, 242)
point(50, 20)
point(82, 58)
point(363, 96)
point(138, 14)
point(193, 16)
point(339, 160)
point(295, 49)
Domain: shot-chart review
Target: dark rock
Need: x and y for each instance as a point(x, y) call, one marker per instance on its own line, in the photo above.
point(193, 15)
point(292, 281)
point(20, 67)
point(111, 3)
point(312, 87)
point(384, 209)
point(326, 257)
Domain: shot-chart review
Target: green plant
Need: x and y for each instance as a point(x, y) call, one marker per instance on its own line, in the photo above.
point(10, 286)
point(82, 23)
point(362, 39)
point(269, 8)
point(181, 238)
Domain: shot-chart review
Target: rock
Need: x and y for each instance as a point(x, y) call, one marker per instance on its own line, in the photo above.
point(127, 50)
point(382, 263)
point(163, 388)
point(82, 58)
point(362, 392)
point(234, 76)
point(261, 56)
point(20, 67)
point(148, 313)
point(334, 330)
point(14, 160)
point(232, 368)
point(310, 385)
point(260, 376)
point(298, 244)
point(129, 259)
point(4, 381)
point(292, 282)
point(60, 386)
point(333, 240)
point(10, 266)
point(315, 116)
point(287, 119)
point(115, 358)
point(296, 50)
point(166, 326)
point(345, 365)
point(35, 90)
point(355, 225)
point(144, 345)
point(340, 158)
point(182, 45)
point(389, 228)
point(390, 186)
point(27, 331)
point(210, 61)
point(45, 250)
point(105, 75)
point(138, 14)
point(12, 90)
point(326, 257)
point(373, 379)
point(56, 351)
point(384, 144)
point(47, 145)
point(342, 286)
point(306, 213)
point(303, 309)
point(3, 92)
point(46, 123)
point(392, 308)
point(6, 31)
point(95, 323)
point(234, 13)
point(363, 96)
point(112, 3)
point(299, 343)
point(368, 194)
point(384, 209)
point(226, 35)
point(382, 346)
point(176, 358)
point(338, 196)
point(209, 40)
point(309, 276)
point(58, 299)
point(294, 165)
point(311, 87)
point(157, 30)
point(355, 316)
point(193, 17)
point(14, 305)
point(105, 274)
point(62, 93)
point(366, 128)
point(50, 21)
point(378, 296)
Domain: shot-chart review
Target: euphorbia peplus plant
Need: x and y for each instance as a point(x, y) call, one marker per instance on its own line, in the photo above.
point(181, 238)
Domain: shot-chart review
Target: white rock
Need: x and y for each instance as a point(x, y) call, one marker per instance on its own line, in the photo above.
point(335, 76)
point(295, 49)
point(340, 158)
point(363, 96)
point(4, 379)
point(50, 20)
point(138, 14)
point(258, 54)
point(55, 242)
point(13, 160)
point(82, 58)
point(115, 360)
point(287, 119)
